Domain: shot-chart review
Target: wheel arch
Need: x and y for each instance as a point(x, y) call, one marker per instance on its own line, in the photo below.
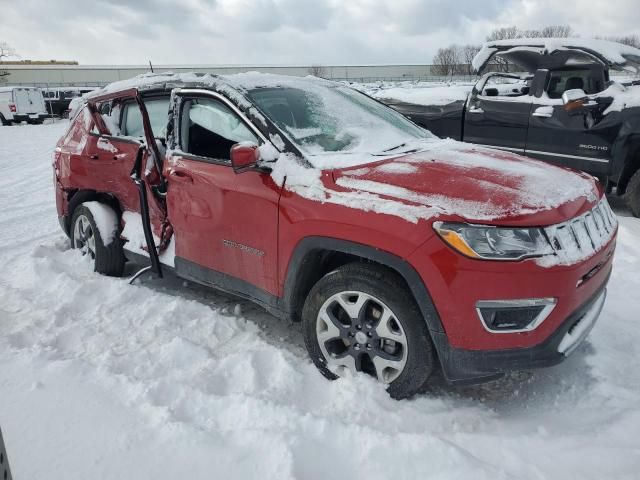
point(78, 197)
point(314, 257)
point(631, 164)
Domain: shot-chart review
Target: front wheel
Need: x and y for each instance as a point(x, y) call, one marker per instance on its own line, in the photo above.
point(101, 245)
point(633, 194)
point(362, 319)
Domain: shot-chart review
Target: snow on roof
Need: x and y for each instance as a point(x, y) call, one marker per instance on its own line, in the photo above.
point(250, 80)
point(615, 55)
point(148, 80)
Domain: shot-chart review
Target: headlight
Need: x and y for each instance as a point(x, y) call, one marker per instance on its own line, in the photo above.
point(494, 243)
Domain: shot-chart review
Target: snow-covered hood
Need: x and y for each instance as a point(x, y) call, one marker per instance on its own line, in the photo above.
point(463, 181)
point(535, 53)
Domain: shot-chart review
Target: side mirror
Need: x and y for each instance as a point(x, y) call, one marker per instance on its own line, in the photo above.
point(244, 156)
point(574, 95)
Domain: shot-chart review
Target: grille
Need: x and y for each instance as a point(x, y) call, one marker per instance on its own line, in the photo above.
point(583, 236)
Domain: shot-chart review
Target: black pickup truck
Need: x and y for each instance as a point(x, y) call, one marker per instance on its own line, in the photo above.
point(563, 109)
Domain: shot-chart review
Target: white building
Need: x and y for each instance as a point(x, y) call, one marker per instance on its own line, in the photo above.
point(98, 75)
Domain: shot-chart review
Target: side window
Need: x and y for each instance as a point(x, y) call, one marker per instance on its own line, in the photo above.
point(209, 128)
point(591, 81)
point(504, 85)
point(110, 113)
point(158, 110)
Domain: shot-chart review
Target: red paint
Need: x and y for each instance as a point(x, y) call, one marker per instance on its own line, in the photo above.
point(225, 221)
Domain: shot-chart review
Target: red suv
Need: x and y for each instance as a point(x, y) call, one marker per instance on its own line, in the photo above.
point(398, 251)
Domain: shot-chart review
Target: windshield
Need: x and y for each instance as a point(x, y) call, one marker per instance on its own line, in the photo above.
point(323, 119)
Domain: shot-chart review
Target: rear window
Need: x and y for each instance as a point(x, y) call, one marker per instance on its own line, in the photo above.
point(158, 109)
point(588, 80)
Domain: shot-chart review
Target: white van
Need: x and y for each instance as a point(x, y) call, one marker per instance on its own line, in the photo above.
point(22, 104)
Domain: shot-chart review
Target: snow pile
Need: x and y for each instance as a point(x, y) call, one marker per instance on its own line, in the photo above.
point(105, 380)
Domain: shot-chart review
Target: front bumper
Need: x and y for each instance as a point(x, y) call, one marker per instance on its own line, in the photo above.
point(467, 367)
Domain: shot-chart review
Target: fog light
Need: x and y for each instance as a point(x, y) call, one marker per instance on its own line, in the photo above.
point(509, 316)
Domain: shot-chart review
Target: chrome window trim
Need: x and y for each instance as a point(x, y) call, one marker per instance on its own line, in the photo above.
point(548, 303)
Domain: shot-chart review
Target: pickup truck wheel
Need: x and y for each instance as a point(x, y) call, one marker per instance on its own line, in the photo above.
point(360, 318)
point(633, 194)
point(4, 121)
point(86, 237)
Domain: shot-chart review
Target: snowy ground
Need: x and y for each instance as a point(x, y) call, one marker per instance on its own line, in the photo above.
point(103, 380)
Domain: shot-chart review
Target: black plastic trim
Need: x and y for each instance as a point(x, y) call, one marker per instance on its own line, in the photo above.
point(227, 283)
point(307, 246)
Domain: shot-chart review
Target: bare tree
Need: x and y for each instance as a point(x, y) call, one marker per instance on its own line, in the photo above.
point(317, 71)
point(504, 33)
point(550, 31)
point(556, 31)
point(6, 51)
point(446, 61)
point(631, 40)
point(467, 54)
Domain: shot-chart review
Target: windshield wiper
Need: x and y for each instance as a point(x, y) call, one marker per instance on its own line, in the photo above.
point(394, 148)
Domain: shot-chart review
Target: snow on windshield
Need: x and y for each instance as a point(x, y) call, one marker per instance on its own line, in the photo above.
point(333, 125)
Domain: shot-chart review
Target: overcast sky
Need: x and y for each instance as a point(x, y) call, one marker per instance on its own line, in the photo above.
point(284, 31)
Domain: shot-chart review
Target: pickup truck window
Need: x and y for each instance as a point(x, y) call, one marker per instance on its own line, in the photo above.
point(210, 128)
point(562, 80)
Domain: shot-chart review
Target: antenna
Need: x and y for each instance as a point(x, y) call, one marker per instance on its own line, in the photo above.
point(151, 66)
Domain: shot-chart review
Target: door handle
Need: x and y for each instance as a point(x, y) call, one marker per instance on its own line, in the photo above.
point(94, 157)
point(180, 176)
point(475, 110)
point(542, 112)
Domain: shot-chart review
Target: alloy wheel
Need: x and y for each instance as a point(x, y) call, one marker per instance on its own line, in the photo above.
point(84, 237)
point(359, 333)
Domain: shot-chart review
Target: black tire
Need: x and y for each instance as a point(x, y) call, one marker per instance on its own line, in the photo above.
point(108, 260)
point(4, 121)
point(389, 288)
point(633, 194)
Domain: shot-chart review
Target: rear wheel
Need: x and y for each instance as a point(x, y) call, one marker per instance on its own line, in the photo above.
point(85, 236)
point(633, 194)
point(4, 121)
point(362, 319)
